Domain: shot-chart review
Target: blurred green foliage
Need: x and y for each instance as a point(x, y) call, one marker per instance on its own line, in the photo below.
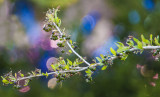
point(54, 3)
point(148, 19)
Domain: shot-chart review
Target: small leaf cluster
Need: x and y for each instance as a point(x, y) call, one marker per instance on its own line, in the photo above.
point(132, 45)
point(104, 61)
point(14, 79)
point(51, 20)
point(62, 68)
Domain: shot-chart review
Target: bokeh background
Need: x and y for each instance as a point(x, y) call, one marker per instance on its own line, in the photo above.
point(95, 25)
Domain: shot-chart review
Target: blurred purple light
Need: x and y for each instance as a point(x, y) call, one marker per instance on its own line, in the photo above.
point(45, 44)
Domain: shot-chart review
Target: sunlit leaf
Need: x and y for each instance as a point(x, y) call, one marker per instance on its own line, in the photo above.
point(88, 71)
point(71, 42)
point(120, 43)
point(124, 57)
point(156, 40)
point(70, 51)
point(67, 67)
point(99, 59)
point(104, 67)
point(139, 44)
point(130, 43)
point(151, 38)
point(53, 67)
point(69, 61)
point(113, 51)
point(102, 56)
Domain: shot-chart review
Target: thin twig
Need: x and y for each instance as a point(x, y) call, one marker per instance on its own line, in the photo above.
point(84, 68)
point(71, 46)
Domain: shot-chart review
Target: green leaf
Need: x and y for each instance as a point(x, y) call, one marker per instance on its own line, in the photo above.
point(120, 43)
point(99, 59)
point(33, 73)
point(22, 75)
point(117, 45)
point(145, 41)
point(53, 67)
point(113, 51)
point(136, 40)
point(74, 63)
point(45, 74)
point(69, 61)
point(63, 62)
point(59, 24)
point(88, 71)
point(102, 56)
point(55, 13)
point(50, 17)
point(92, 64)
point(70, 51)
point(78, 61)
point(101, 64)
point(104, 67)
point(139, 44)
point(130, 43)
point(26, 82)
point(4, 80)
point(71, 42)
point(67, 67)
point(124, 57)
point(156, 40)
point(151, 38)
point(121, 49)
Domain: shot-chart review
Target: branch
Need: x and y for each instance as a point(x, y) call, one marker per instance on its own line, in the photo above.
point(79, 69)
point(71, 46)
point(64, 69)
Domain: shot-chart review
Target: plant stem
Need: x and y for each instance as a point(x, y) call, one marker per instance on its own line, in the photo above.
point(78, 69)
point(71, 46)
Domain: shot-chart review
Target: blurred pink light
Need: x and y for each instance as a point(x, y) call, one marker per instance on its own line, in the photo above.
point(138, 66)
point(155, 76)
point(153, 84)
point(45, 44)
point(51, 61)
point(24, 89)
point(53, 43)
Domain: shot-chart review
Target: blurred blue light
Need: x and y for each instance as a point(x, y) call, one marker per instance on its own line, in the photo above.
point(134, 17)
point(148, 4)
point(43, 61)
point(25, 13)
point(105, 49)
point(89, 22)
